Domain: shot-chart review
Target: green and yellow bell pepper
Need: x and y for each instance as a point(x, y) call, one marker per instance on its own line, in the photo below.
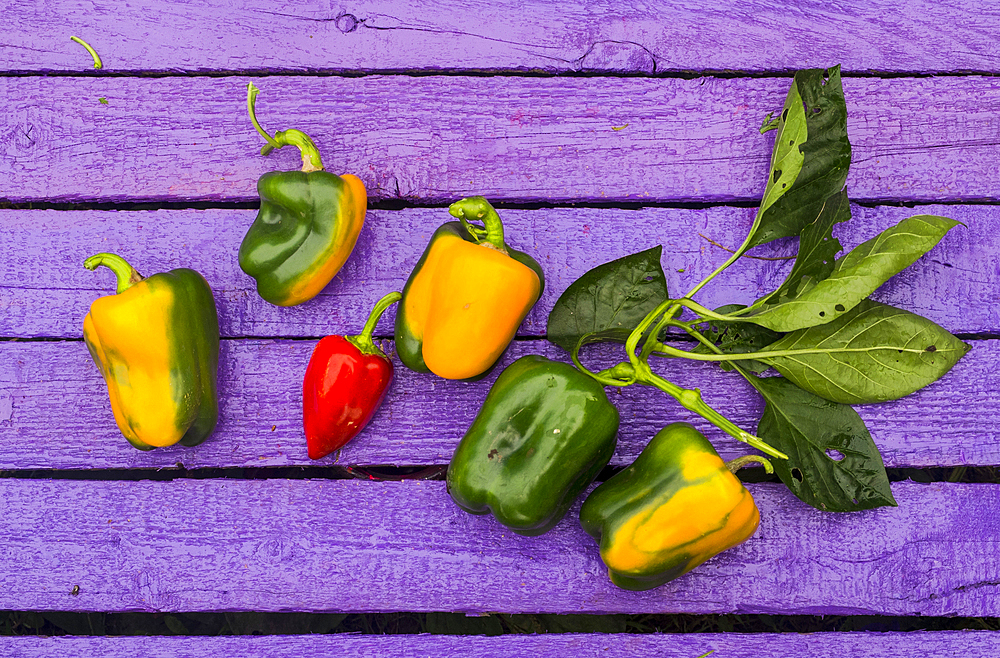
point(308, 224)
point(676, 506)
point(156, 342)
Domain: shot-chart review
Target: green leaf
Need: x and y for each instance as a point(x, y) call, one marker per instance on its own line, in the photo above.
point(872, 353)
point(818, 251)
point(832, 464)
point(786, 157)
point(609, 301)
point(815, 146)
point(737, 338)
point(854, 276)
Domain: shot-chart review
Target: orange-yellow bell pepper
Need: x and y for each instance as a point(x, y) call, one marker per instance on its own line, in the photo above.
point(466, 297)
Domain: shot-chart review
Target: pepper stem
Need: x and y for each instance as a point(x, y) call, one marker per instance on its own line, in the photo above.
point(307, 148)
point(477, 207)
point(738, 463)
point(126, 274)
point(363, 341)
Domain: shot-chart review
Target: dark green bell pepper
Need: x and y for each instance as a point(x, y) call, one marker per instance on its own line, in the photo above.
point(543, 434)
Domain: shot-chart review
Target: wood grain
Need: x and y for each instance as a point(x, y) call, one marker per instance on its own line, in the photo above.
point(730, 645)
point(584, 36)
point(45, 291)
point(351, 545)
point(434, 139)
point(54, 412)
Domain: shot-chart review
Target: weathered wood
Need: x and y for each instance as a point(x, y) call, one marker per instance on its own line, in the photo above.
point(433, 139)
point(54, 412)
point(730, 645)
point(45, 291)
point(351, 545)
point(590, 35)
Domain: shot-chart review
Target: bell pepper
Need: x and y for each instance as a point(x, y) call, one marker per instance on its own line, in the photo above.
point(156, 342)
point(676, 506)
point(543, 434)
point(465, 299)
point(344, 385)
point(308, 223)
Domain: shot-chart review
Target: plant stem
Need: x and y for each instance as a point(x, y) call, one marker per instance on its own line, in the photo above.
point(691, 400)
point(363, 341)
point(98, 64)
point(291, 137)
point(126, 275)
point(477, 207)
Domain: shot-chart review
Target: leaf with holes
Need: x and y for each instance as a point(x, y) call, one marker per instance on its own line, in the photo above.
point(736, 338)
point(817, 255)
point(609, 301)
point(814, 147)
point(872, 353)
point(832, 464)
point(855, 275)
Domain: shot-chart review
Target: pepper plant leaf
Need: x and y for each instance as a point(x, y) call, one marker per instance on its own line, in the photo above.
point(609, 301)
point(817, 254)
point(872, 353)
point(811, 143)
point(853, 277)
point(832, 464)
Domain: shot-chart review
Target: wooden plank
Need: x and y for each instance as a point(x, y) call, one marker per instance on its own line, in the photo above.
point(432, 139)
point(730, 645)
point(45, 291)
point(588, 35)
point(351, 545)
point(54, 412)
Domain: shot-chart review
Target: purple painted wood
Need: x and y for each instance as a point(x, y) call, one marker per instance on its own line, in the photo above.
point(351, 545)
point(729, 645)
point(592, 35)
point(55, 413)
point(45, 291)
point(431, 139)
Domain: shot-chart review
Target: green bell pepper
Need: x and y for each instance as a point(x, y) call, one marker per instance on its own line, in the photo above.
point(543, 434)
point(676, 506)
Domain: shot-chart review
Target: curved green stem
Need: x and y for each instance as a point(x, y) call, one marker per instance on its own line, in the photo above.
point(609, 377)
point(363, 341)
point(126, 275)
point(291, 137)
point(738, 463)
point(691, 400)
point(633, 339)
point(478, 208)
point(98, 64)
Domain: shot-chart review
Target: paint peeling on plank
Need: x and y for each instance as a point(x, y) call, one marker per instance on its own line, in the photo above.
point(65, 420)
point(417, 138)
point(290, 545)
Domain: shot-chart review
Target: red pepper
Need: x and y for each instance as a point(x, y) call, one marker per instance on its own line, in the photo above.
point(345, 383)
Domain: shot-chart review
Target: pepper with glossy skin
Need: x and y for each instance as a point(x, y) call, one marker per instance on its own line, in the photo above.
point(345, 383)
point(676, 506)
point(466, 297)
point(156, 342)
point(308, 223)
point(543, 434)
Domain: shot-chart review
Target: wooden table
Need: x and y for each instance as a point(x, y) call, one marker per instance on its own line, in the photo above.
point(600, 130)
